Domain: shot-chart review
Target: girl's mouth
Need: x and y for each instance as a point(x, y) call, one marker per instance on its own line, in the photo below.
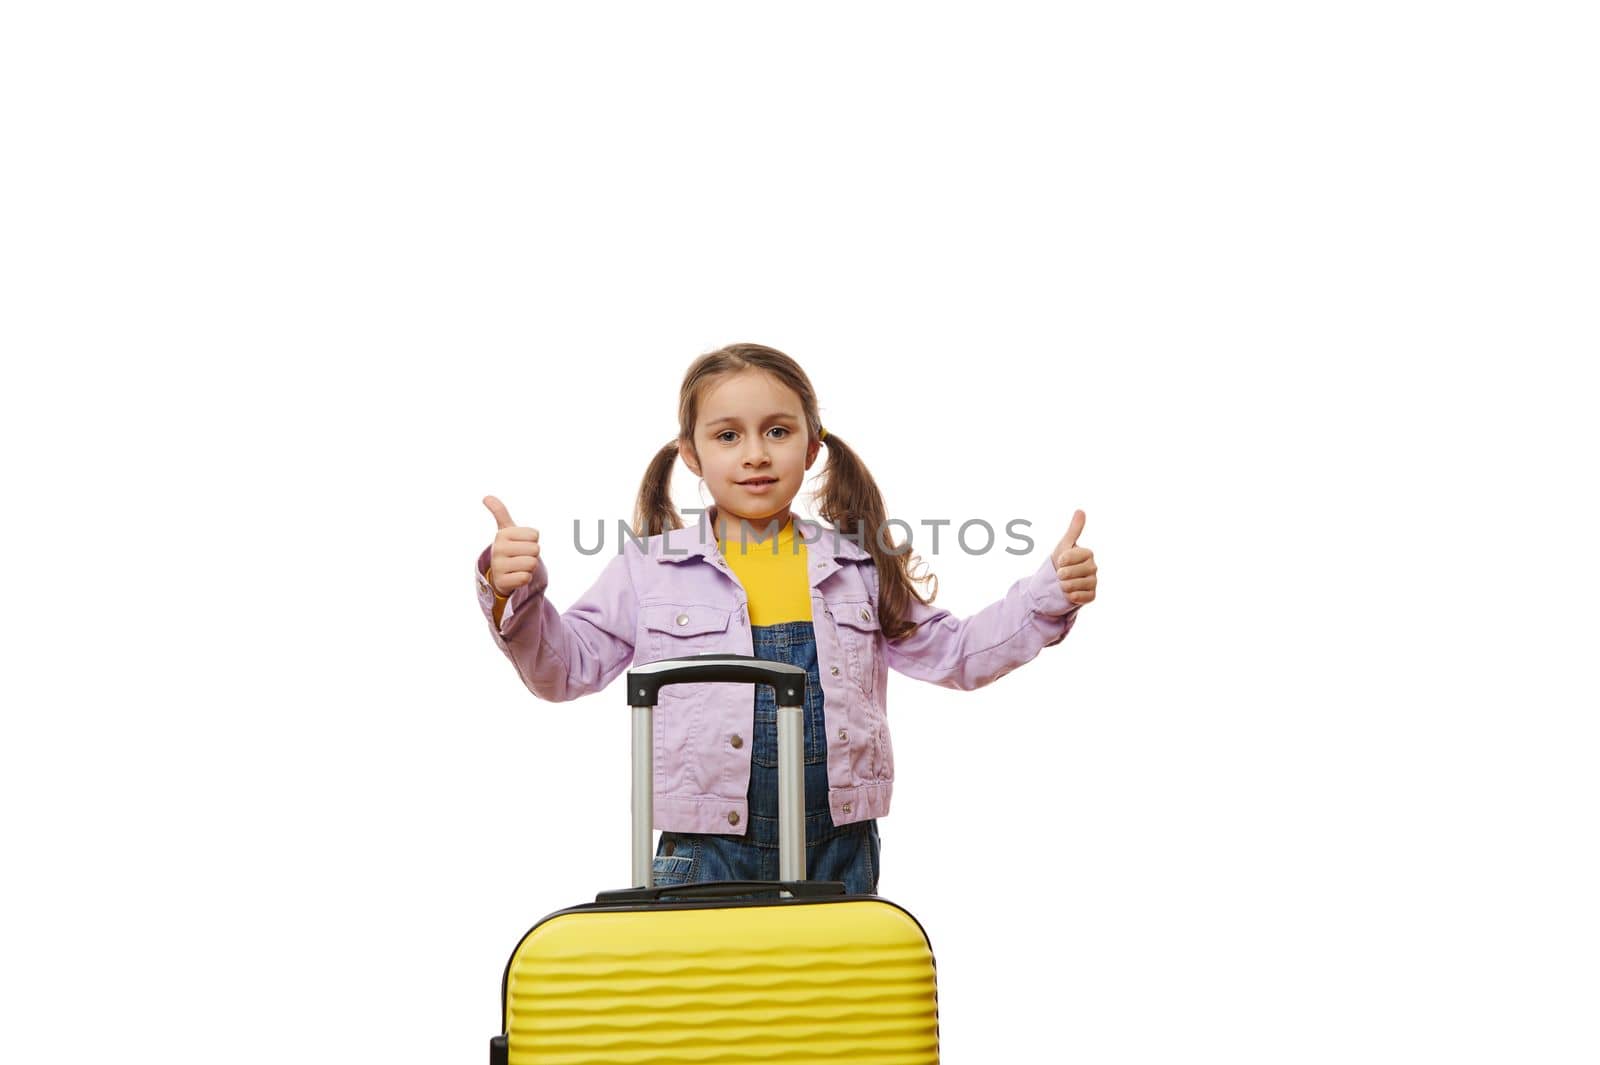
point(760, 485)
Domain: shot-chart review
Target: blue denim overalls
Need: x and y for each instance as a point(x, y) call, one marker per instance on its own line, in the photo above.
point(848, 853)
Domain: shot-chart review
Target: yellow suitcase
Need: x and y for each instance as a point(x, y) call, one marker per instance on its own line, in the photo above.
point(778, 972)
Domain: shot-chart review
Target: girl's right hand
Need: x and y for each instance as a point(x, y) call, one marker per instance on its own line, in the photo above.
point(515, 552)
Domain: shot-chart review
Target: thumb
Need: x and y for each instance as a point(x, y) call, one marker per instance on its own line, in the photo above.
point(502, 517)
point(1074, 531)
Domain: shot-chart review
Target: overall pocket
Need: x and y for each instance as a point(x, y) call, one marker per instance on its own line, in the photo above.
point(674, 863)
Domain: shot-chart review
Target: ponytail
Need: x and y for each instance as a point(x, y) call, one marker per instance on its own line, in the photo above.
point(654, 512)
point(850, 502)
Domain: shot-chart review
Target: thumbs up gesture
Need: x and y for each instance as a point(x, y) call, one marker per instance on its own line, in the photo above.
point(1075, 566)
point(515, 552)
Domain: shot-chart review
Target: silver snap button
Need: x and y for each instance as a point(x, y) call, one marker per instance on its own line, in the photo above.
point(682, 619)
point(866, 615)
point(833, 670)
point(733, 817)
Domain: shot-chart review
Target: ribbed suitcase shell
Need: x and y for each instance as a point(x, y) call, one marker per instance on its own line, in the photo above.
point(846, 980)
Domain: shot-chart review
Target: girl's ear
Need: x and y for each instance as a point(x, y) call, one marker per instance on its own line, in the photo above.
point(812, 452)
point(686, 452)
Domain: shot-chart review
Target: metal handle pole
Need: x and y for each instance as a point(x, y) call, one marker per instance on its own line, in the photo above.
point(644, 751)
point(791, 794)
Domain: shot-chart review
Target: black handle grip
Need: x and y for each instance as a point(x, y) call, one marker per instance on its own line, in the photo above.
point(721, 889)
point(646, 681)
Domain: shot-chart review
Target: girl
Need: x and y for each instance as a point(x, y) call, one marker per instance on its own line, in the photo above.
point(753, 579)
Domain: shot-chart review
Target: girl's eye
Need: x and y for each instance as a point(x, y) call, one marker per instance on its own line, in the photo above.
point(780, 429)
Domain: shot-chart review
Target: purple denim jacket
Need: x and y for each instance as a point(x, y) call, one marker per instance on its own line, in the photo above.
point(677, 596)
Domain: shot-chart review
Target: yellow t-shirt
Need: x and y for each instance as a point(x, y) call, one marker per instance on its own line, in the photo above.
point(773, 573)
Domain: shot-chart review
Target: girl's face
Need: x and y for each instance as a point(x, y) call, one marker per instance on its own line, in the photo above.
point(751, 428)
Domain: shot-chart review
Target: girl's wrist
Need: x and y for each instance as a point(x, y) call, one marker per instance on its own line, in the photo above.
point(489, 581)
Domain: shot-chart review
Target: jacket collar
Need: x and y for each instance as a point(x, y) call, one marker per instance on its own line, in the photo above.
point(700, 541)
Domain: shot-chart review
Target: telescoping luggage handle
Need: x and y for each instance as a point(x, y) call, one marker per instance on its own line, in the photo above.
point(788, 685)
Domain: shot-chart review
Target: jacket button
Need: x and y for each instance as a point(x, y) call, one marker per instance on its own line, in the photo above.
point(733, 817)
point(737, 741)
point(866, 615)
point(834, 670)
point(682, 619)
point(845, 808)
point(843, 734)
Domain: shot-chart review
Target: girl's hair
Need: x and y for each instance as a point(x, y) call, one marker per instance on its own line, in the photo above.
point(849, 497)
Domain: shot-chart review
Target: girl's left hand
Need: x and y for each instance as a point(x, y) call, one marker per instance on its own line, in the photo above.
point(1075, 566)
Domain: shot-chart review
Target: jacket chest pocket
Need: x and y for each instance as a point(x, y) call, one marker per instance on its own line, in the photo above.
point(856, 623)
point(675, 630)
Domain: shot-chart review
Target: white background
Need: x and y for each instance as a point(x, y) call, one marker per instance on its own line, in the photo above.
point(1297, 302)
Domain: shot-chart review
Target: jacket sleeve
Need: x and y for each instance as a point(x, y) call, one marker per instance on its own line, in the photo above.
point(562, 656)
point(968, 653)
